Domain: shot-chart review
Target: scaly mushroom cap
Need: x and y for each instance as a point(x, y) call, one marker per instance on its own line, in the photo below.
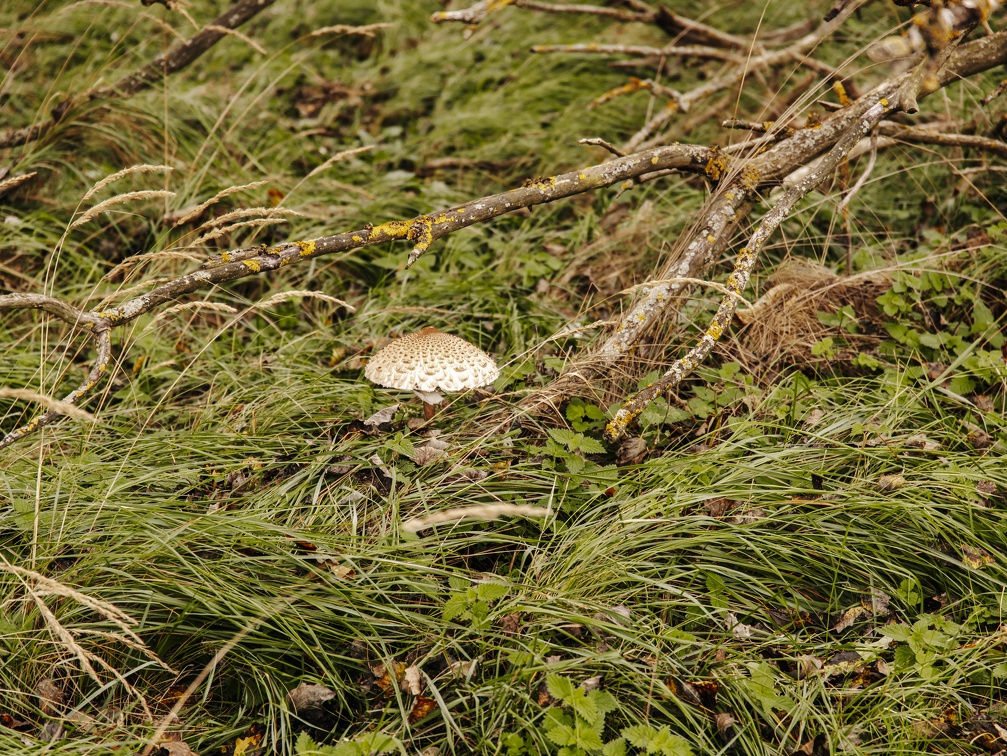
point(429, 361)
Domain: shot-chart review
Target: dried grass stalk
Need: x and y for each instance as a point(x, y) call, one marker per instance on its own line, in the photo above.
point(283, 296)
point(142, 168)
point(27, 395)
point(212, 306)
point(194, 212)
point(118, 200)
point(218, 232)
point(483, 512)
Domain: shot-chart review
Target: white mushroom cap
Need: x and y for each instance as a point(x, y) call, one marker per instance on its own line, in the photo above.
point(431, 361)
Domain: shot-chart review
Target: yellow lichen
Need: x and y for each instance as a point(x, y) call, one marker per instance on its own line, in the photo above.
point(307, 248)
point(716, 166)
point(357, 238)
point(252, 265)
point(714, 331)
point(653, 160)
point(391, 229)
point(225, 257)
point(711, 238)
point(582, 176)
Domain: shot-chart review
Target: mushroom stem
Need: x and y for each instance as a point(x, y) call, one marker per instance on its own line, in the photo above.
point(428, 411)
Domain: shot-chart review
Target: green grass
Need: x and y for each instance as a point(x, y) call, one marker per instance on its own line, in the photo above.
point(229, 491)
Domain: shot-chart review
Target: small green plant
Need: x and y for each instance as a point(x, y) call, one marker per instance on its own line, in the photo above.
point(577, 726)
point(574, 442)
point(584, 417)
point(365, 745)
point(923, 644)
point(471, 603)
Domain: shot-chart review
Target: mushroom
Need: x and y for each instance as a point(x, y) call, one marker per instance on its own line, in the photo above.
point(428, 362)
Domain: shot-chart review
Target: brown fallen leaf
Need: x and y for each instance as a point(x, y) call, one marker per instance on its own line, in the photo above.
point(309, 696)
point(421, 708)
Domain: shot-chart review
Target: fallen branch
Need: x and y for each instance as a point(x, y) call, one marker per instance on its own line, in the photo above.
point(738, 280)
point(173, 61)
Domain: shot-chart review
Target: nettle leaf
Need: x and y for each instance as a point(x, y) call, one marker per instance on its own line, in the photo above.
point(563, 436)
point(657, 741)
point(559, 687)
point(900, 633)
point(762, 685)
point(614, 748)
point(584, 706)
point(458, 583)
point(559, 727)
point(590, 445)
point(605, 701)
point(456, 606)
point(492, 591)
point(304, 744)
point(904, 657)
point(588, 738)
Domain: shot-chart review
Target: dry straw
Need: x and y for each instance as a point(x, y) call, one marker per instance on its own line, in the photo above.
point(142, 168)
point(283, 296)
point(185, 306)
point(26, 395)
point(195, 212)
point(223, 230)
point(118, 200)
point(484, 512)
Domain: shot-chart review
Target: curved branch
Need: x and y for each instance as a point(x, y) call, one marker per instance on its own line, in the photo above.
point(104, 344)
point(422, 230)
point(743, 266)
point(65, 312)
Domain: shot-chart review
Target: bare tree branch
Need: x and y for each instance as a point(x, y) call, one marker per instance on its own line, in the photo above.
point(174, 60)
point(743, 266)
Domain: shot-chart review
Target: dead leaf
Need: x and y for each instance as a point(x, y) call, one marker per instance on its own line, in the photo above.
point(978, 438)
point(424, 455)
point(720, 506)
point(178, 748)
point(421, 708)
point(411, 681)
point(309, 696)
point(983, 402)
point(463, 668)
point(976, 559)
point(50, 696)
point(510, 623)
point(920, 441)
point(986, 488)
point(749, 516)
point(382, 416)
point(851, 615)
point(724, 722)
point(631, 451)
point(738, 630)
point(379, 463)
point(388, 676)
point(890, 482)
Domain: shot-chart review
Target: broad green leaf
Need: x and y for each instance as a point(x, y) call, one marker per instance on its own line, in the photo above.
point(563, 436)
point(492, 591)
point(559, 728)
point(559, 687)
point(455, 607)
point(898, 632)
point(590, 445)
